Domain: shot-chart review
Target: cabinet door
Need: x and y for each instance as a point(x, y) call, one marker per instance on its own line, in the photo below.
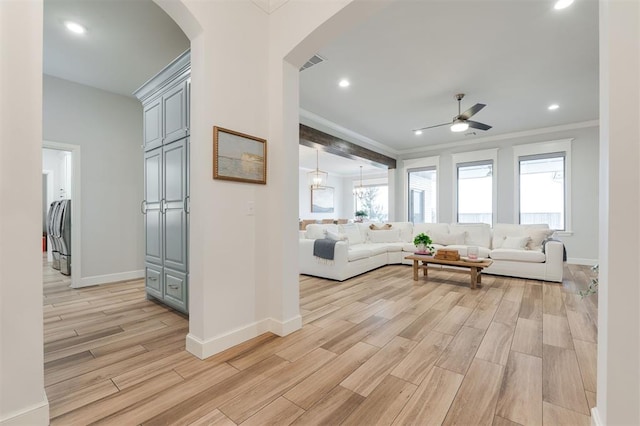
point(174, 113)
point(152, 124)
point(153, 198)
point(175, 216)
point(175, 289)
point(153, 280)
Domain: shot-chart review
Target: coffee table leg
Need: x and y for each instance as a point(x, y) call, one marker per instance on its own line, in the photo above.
point(479, 276)
point(474, 277)
point(415, 270)
point(424, 266)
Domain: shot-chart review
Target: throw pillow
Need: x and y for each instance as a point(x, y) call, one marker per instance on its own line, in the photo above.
point(385, 236)
point(516, 243)
point(337, 236)
point(537, 236)
point(353, 233)
point(385, 227)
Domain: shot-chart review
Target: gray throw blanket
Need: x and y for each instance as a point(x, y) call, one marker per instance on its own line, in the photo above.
point(324, 248)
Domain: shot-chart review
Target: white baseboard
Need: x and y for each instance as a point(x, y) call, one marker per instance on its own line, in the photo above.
point(204, 349)
point(595, 417)
point(287, 327)
point(110, 278)
point(36, 415)
point(580, 261)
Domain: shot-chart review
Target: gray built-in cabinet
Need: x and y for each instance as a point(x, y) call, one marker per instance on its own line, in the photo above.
point(165, 101)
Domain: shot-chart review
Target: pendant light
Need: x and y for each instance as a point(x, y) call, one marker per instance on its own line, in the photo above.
point(359, 190)
point(318, 178)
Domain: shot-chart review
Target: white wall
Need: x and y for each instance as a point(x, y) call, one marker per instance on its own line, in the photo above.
point(619, 288)
point(582, 245)
point(304, 198)
point(22, 397)
point(108, 128)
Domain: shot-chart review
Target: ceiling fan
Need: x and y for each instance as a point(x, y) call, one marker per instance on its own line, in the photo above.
point(461, 122)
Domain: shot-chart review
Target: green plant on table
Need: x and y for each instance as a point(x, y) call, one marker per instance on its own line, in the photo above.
point(423, 242)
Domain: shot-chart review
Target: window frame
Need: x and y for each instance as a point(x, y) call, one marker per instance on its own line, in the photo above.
point(483, 156)
point(544, 149)
point(426, 163)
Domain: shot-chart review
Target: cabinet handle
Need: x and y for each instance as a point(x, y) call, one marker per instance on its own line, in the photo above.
point(143, 206)
point(186, 205)
point(163, 207)
point(173, 286)
point(153, 279)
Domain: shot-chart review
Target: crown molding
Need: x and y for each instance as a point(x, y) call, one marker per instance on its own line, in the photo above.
point(347, 132)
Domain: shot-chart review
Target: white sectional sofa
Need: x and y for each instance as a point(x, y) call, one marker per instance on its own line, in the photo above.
point(516, 250)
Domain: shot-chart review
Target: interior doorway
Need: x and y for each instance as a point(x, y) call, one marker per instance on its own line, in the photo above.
point(61, 181)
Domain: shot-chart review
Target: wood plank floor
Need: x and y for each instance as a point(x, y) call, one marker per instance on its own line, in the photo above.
point(376, 349)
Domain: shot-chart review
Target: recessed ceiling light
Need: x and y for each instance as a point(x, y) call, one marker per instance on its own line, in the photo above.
point(418, 132)
point(553, 107)
point(344, 83)
point(75, 27)
point(562, 4)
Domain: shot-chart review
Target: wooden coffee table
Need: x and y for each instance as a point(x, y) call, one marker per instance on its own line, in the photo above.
point(421, 261)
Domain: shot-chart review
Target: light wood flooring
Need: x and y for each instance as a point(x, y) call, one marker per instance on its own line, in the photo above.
point(376, 349)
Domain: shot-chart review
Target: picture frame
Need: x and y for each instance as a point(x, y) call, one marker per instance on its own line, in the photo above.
point(239, 157)
point(322, 200)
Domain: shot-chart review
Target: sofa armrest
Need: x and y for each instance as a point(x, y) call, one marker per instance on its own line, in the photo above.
point(554, 250)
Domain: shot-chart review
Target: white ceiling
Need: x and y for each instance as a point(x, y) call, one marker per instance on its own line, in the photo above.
point(405, 65)
point(335, 164)
point(126, 43)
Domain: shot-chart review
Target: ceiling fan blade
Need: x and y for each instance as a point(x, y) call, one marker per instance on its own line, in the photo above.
point(431, 127)
point(476, 125)
point(471, 111)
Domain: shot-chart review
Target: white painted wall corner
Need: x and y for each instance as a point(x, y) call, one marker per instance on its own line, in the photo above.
point(110, 278)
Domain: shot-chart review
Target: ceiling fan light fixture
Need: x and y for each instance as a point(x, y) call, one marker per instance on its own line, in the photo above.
point(459, 126)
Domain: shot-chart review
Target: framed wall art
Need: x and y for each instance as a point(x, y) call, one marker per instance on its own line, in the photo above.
point(322, 200)
point(239, 157)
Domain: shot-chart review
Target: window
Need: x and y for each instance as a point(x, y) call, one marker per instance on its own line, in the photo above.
point(374, 200)
point(422, 195)
point(542, 175)
point(475, 192)
point(542, 189)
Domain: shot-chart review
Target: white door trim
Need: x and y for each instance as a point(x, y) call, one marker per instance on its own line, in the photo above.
point(76, 240)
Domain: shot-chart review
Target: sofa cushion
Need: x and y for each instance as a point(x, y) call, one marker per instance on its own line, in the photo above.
point(533, 256)
point(429, 228)
point(406, 230)
point(358, 252)
point(516, 243)
point(352, 232)
point(448, 239)
point(478, 234)
point(380, 248)
point(317, 231)
point(386, 236)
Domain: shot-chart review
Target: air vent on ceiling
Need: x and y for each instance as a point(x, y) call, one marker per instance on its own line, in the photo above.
point(315, 60)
